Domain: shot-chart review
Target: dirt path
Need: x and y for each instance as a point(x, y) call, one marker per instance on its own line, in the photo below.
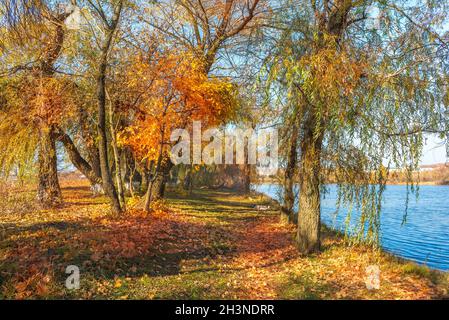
point(262, 247)
point(255, 245)
point(264, 264)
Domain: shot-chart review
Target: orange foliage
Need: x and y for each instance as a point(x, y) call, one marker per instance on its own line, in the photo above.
point(53, 100)
point(171, 91)
point(50, 100)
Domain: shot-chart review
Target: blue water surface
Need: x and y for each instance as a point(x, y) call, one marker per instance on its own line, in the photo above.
point(424, 238)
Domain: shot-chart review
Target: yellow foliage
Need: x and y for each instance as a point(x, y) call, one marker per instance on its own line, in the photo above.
point(29, 104)
point(331, 74)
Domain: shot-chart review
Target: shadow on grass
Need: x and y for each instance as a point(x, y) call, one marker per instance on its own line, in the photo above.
point(153, 246)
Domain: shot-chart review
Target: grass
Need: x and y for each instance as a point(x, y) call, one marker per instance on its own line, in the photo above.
point(211, 245)
point(436, 277)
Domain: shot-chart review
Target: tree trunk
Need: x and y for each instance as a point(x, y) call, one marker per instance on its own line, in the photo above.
point(190, 179)
point(131, 184)
point(287, 209)
point(156, 188)
point(118, 172)
point(106, 176)
point(145, 181)
point(188, 176)
point(308, 237)
point(94, 158)
point(247, 178)
point(77, 160)
point(162, 178)
point(116, 153)
point(49, 191)
point(88, 134)
point(144, 175)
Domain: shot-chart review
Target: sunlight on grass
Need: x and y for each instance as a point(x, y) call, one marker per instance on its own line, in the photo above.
point(211, 245)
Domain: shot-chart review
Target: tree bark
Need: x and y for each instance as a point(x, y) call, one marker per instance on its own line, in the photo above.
point(77, 160)
point(309, 224)
point(156, 188)
point(190, 178)
point(247, 178)
point(48, 192)
point(106, 176)
point(144, 173)
point(116, 154)
point(287, 209)
point(118, 173)
point(88, 134)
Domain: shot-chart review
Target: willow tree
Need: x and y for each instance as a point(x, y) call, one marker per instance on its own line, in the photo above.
point(369, 81)
point(33, 34)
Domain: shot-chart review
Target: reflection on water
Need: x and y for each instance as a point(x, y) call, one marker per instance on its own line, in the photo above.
point(424, 238)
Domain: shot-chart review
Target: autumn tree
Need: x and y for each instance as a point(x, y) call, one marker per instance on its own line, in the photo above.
point(366, 82)
point(206, 29)
point(108, 14)
point(33, 35)
point(172, 91)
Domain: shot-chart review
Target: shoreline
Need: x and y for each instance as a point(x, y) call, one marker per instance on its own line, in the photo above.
point(381, 248)
point(422, 183)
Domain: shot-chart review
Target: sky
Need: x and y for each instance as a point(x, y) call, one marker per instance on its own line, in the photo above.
point(434, 151)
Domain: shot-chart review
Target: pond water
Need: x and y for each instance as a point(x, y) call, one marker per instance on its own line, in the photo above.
point(424, 238)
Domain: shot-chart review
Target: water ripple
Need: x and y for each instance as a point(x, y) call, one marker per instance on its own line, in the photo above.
point(424, 238)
